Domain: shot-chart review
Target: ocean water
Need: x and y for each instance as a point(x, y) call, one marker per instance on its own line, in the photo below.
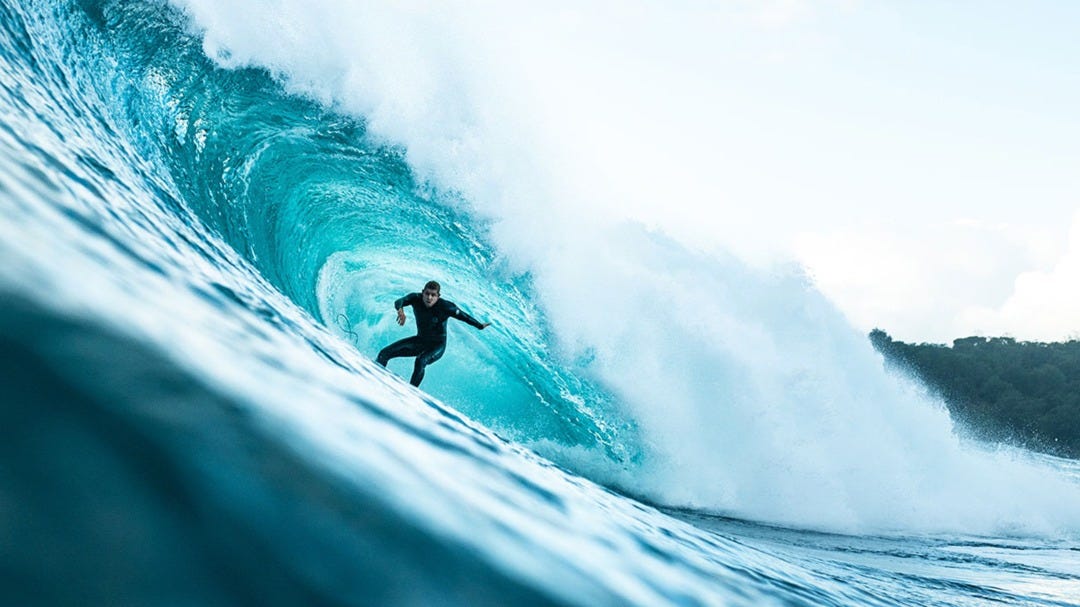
point(208, 210)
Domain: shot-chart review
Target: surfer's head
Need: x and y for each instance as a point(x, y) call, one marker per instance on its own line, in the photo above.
point(430, 293)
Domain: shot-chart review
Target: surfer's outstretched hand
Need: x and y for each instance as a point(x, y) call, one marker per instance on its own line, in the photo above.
point(401, 317)
point(484, 326)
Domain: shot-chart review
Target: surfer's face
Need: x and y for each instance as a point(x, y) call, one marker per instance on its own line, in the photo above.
point(430, 297)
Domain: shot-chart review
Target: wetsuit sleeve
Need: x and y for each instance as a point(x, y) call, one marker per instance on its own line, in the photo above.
point(461, 315)
point(408, 300)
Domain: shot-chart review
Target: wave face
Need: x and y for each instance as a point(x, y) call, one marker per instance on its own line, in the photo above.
point(203, 233)
point(336, 221)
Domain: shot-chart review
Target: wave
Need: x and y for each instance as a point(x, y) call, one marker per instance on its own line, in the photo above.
point(364, 149)
point(751, 392)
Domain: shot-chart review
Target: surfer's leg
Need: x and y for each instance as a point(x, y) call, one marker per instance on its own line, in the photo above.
point(423, 360)
point(410, 346)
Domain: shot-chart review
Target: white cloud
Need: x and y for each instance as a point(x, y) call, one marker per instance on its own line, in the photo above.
point(1044, 304)
point(944, 281)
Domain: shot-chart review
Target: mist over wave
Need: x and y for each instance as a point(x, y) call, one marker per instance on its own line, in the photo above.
point(752, 394)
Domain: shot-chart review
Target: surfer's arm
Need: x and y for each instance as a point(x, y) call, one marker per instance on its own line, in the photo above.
point(400, 304)
point(465, 317)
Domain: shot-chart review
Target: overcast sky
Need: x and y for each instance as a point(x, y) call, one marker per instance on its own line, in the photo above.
point(921, 159)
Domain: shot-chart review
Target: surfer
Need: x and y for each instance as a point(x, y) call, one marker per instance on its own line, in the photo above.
point(429, 343)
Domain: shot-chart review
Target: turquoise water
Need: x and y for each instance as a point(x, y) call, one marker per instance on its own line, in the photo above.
point(200, 257)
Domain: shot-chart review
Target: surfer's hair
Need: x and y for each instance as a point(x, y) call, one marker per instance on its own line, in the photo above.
point(433, 286)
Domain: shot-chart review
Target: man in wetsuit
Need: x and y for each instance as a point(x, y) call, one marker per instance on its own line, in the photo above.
point(429, 343)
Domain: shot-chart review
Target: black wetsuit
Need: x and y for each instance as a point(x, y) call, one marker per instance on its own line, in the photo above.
point(429, 343)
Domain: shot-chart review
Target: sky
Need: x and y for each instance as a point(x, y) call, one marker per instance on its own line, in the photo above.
point(918, 159)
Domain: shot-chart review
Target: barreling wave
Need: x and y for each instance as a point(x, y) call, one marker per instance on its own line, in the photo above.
point(336, 220)
point(683, 378)
point(710, 384)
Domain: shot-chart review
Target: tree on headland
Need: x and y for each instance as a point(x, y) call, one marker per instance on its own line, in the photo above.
point(999, 389)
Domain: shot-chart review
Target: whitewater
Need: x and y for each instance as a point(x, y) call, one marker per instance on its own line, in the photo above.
point(208, 210)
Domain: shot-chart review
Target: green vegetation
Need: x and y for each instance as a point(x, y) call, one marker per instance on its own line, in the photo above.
point(999, 389)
